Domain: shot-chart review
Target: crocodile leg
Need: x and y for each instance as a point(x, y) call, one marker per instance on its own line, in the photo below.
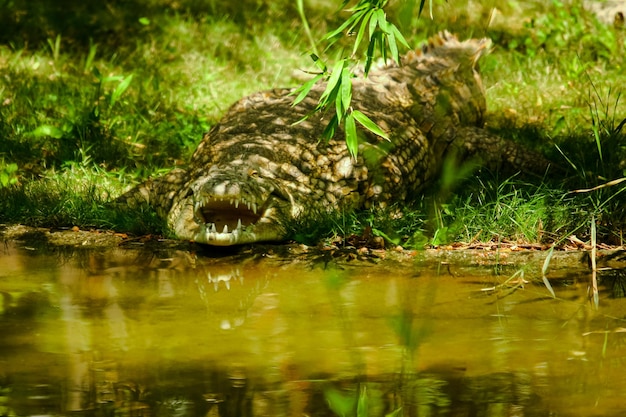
point(158, 192)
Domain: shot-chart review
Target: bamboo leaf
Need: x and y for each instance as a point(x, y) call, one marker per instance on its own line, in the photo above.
point(352, 139)
point(346, 88)
point(346, 26)
point(367, 123)
point(339, 30)
point(357, 17)
point(339, 110)
point(319, 63)
point(304, 89)
point(335, 76)
point(330, 129)
point(372, 25)
point(381, 17)
point(361, 32)
point(361, 6)
point(398, 35)
point(393, 47)
point(370, 54)
point(382, 42)
point(419, 13)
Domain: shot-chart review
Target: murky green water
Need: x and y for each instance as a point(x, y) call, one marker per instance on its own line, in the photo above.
point(123, 332)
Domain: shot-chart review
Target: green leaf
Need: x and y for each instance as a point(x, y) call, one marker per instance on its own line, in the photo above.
point(362, 407)
point(341, 404)
point(47, 131)
point(352, 139)
point(369, 57)
point(330, 129)
point(419, 13)
point(120, 89)
point(596, 135)
point(544, 270)
point(305, 88)
point(383, 50)
point(393, 47)
point(144, 21)
point(319, 63)
point(372, 25)
point(398, 35)
point(346, 88)
point(90, 56)
point(381, 17)
point(378, 232)
point(337, 31)
point(364, 5)
point(11, 168)
point(339, 110)
point(358, 16)
point(111, 78)
point(361, 32)
point(350, 23)
point(367, 123)
point(335, 76)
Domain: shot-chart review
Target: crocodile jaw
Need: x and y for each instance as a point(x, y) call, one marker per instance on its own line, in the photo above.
point(222, 220)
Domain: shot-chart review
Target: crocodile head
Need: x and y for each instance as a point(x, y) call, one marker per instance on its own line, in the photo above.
point(232, 205)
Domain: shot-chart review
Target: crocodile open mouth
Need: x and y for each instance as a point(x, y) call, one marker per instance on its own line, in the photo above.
point(226, 215)
point(230, 219)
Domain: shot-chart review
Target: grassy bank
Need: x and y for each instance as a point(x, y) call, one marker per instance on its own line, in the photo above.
point(95, 100)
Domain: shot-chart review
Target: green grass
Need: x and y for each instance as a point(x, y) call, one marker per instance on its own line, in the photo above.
point(89, 106)
point(77, 195)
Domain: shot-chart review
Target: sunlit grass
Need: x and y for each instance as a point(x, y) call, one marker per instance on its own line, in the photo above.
point(78, 195)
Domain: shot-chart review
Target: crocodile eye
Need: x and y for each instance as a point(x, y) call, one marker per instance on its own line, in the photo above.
point(253, 172)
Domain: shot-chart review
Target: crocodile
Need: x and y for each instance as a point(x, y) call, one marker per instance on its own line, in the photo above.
point(264, 165)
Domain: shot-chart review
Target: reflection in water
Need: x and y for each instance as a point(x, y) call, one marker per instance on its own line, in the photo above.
point(138, 333)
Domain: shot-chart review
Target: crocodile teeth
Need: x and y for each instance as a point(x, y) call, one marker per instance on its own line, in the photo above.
point(225, 229)
point(254, 208)
point(213, 229)
point(248, 206)
point(238, 223)
point(236, 203)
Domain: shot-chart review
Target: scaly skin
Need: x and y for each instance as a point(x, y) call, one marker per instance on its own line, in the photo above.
point(257, 169)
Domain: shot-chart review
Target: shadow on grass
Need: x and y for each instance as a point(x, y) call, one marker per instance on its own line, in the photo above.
point(114, 22)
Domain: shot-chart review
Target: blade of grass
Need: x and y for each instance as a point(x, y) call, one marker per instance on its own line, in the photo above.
point(544, 270)
point(594, 269)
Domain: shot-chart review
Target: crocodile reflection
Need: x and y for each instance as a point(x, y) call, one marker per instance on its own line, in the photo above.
point(183, 276)
point(224, 277)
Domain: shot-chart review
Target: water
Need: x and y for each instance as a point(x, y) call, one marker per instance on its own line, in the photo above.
point(136, 332)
